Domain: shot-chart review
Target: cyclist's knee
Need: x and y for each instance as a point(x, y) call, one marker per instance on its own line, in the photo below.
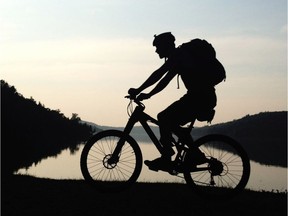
point(161, 117)
point(168, 120)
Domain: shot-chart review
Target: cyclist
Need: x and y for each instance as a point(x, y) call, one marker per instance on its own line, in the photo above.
point(200, 96)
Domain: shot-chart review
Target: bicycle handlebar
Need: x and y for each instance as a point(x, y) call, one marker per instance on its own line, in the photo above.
point(138, 102)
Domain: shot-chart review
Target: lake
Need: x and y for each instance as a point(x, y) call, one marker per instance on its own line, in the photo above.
point(67, 166)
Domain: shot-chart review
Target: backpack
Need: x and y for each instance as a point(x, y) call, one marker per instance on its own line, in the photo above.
point(201, 56)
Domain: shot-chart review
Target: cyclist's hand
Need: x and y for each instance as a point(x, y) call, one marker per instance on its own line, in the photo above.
point(143, 96)
point(133, 92)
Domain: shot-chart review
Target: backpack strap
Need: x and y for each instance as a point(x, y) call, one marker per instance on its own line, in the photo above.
point(178, 84)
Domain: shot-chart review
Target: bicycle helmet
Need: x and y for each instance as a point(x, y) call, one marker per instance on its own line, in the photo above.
point(163, 39)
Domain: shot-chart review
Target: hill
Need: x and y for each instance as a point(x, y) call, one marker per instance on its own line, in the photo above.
point(31, 132)
point(263, 135)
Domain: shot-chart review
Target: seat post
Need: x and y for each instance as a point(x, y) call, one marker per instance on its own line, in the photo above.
point(192, 124)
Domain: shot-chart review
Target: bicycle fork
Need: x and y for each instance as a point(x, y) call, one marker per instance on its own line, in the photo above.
point(143, 118)
point(128, 128)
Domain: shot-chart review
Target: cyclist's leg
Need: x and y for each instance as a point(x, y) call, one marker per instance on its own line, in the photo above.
point(167, 119)
point(165, 128)
point(178, 113)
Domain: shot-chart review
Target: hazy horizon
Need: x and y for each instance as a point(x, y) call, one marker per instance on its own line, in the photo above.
point(82, 56)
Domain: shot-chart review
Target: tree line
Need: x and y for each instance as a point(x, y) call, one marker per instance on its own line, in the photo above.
point(31, 132)
point(264, 136)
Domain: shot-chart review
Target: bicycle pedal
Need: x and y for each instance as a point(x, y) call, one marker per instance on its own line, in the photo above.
point(173, 172)
point(155, 170)
point(148, 164)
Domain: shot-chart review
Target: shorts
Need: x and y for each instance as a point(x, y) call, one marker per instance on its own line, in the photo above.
point(186, 108)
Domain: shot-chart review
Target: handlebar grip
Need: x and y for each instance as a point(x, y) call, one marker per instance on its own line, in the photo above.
point(138, 102)
point(130, 97)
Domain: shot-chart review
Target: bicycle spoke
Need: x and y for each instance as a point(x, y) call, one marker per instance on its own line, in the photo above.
point(111, 175)
point(228, 167)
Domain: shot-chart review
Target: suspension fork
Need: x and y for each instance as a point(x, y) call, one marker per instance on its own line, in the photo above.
point(129, 126)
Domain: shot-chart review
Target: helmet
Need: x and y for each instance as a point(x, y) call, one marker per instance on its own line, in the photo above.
point(163, 39)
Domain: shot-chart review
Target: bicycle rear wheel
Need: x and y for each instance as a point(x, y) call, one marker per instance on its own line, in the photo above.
point(227, 171)
point(103, 175)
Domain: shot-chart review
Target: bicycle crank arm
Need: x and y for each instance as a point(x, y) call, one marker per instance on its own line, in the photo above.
point(198, 169)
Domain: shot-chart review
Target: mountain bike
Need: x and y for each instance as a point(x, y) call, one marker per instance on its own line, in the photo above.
point(111, 160)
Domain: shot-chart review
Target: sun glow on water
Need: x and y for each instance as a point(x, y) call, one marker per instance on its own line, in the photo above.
point(67, 166)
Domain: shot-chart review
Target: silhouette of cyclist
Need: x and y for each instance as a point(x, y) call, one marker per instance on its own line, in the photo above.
point(200, 96)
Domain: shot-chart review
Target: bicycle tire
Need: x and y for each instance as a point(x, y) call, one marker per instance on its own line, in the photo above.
point(222, 179)
point(106, 177)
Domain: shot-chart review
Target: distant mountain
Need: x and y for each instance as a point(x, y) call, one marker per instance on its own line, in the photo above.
point(138, 133)
point(264, 135)
point(31, 132)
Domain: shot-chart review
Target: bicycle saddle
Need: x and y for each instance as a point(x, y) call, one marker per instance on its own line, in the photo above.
point(206, 115)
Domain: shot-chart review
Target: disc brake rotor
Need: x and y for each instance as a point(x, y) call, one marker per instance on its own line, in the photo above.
point(107, 162)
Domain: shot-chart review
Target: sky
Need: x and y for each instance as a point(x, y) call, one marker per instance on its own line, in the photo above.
point(82, 56)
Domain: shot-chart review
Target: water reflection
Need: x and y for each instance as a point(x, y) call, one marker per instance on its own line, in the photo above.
point(67, 166)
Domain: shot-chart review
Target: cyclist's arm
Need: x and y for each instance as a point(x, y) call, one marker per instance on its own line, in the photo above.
point(154, 77)
point(163, 83)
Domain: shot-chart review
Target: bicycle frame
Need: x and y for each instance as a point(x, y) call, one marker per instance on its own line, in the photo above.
point(229, 167)
point(140, 116)
point(137, 116)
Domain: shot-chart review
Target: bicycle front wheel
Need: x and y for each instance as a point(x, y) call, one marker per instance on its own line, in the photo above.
point(97, 170)
point(225, 174)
